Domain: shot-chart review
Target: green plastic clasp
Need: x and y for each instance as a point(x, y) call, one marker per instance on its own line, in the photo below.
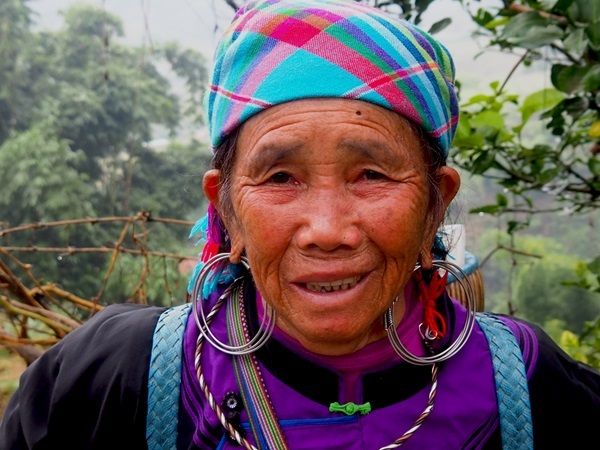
point(350, 408)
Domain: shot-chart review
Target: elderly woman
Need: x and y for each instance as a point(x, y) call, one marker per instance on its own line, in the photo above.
point(320, 318)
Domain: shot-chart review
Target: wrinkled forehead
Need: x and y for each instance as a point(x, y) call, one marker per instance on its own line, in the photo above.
point(310, 117)
point(336, 132)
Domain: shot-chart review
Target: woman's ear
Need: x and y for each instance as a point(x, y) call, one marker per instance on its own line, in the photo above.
point(211, 185)
point(448, 182)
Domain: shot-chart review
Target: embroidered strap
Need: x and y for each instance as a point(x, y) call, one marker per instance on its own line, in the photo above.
point(511, 384)
point(265, 426)
point(164, 378)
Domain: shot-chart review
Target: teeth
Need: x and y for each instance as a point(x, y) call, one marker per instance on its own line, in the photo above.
point(338, 285)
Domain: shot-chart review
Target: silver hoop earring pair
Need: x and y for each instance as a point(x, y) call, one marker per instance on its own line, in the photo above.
point(457, 345)
point(203, 321)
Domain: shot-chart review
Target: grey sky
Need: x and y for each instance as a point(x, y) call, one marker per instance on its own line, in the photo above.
point(192, 23)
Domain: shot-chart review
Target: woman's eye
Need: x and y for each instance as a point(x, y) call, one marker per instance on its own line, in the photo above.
point(373, 175)
point(280, 178)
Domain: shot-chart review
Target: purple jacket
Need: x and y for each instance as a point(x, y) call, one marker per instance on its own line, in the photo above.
point(464, 414)
point(90, 392)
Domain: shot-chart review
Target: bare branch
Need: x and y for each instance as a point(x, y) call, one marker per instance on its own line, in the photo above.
point(12, 308)
point(70, 297)
point(113, 260)
point(13, 283)
point(143, 216)
point(71, 250)
point(47, 309)
point(512, 71)
point(532, 211)
point(511, 250)
point(546, 15)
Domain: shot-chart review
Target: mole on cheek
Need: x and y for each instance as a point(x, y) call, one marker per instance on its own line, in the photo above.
point(358, 113)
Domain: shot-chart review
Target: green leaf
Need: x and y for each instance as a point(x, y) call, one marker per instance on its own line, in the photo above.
point(504, 136)
point(513, 226)
point(465, 137)
point(501, 200)
point(572, 79)
point(591, 80)
point(575, 105)
point(593, 34)
point(540, 101)
point(548, 175)
point(585, 11)
point(491, 119)
point(530, 30)
point(479, 98)
point(562, 5)
point(440, 25)
point(493, 24)
point(483, 162)
point(576, 42)
point(594, 266)
point(594, 166)
point(482, 17)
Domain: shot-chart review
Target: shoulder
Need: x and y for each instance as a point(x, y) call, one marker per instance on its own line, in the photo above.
point(91, 386)
point(116, 340)
point(116, 330)
point(549, 367)
point(569, 381)
point(564, 393)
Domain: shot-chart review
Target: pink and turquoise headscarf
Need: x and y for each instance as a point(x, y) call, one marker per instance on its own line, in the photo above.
point(276, 51)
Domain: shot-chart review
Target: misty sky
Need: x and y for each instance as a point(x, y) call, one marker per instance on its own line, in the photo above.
point(192, 23)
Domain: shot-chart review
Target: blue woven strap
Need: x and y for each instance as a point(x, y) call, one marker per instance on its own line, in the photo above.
point(164, 378)
point(511, 384)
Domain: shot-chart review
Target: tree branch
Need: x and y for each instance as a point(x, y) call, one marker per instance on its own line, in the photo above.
point(512, 71)
point(565, 53)
point(74, 250)
point(546, 15)
point(142, 216)
point(72, 298)
point(532, 211)
point(232, 4)
point(14, 284)
point(511, 250)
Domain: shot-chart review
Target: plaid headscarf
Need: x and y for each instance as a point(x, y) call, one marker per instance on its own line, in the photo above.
point(276, 51)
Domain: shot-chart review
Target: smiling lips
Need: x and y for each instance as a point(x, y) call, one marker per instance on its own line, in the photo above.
point(329, 286)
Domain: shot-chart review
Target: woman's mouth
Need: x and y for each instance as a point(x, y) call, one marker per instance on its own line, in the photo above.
point(337, 285)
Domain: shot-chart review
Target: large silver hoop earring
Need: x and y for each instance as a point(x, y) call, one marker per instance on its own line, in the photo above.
point(462, 338)
point(231, 293)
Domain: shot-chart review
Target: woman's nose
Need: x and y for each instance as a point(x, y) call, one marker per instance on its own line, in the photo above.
point(329, 222)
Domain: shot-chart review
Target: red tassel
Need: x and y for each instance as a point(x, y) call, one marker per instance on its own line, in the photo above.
point(213, 234)
point(429, 293)
point(210, 249)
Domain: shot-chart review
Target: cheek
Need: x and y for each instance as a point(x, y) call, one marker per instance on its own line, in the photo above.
point(398, 226)
point(265, 233)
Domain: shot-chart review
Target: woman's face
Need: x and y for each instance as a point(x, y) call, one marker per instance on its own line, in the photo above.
point(330, 204)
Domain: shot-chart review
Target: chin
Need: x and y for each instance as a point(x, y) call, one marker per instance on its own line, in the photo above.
point(334, 337)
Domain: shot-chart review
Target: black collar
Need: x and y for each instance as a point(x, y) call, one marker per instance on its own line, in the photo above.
point(380, 388)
